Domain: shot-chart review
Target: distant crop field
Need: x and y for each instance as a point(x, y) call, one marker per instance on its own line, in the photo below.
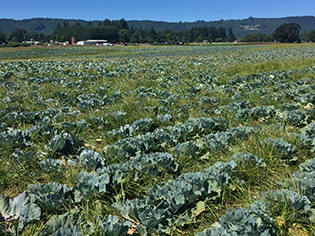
point(157, 140)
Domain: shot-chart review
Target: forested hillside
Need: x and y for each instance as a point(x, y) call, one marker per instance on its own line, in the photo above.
point(240, 27)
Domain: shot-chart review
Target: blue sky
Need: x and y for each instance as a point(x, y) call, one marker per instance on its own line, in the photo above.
point(161, 10)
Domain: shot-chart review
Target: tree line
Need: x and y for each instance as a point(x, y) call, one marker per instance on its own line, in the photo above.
point(285, 33)
point(118, 31)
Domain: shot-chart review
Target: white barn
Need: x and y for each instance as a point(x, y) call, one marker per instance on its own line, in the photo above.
point(93, 42)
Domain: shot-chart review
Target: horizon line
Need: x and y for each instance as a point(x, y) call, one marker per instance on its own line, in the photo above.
point(58, 18)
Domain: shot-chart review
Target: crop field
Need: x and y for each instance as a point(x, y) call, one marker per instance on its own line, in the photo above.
point(158, 140)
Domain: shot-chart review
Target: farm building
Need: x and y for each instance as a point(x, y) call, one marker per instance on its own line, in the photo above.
point(93, 42)
point(32, 42)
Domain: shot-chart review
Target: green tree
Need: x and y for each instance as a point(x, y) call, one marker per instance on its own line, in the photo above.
point(287, 33)
point(185, 37)
point(312, 36)
point(18, 35)
point(308, 36)
point(213, 34)
point(168, 35)
point(135, 37)
point(231, 36)
point(2, 37)
point(199, 39)
point(109, 33)
point(123, 24)
point(257, 37)
point(123, 35)
point(36, 36)
point(89, 24)
point(66, 23)
point(152, 34)
point(141, 35)
point(61, 33)
point(222, 33)
point(107, 22)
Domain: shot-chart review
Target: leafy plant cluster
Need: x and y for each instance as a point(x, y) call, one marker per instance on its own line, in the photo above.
point(162, 138)
point(153, 144)
point(31, 205)
point(277, 212)
point(180, 197)
point(40, 200)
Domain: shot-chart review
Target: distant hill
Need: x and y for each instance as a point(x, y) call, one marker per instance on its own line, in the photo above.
point(42, 25)
point(240, 27)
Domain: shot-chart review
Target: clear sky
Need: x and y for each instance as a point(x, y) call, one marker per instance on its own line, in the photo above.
point(160, 10)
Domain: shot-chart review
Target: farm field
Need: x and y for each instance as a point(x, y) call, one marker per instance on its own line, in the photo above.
point(158, 140)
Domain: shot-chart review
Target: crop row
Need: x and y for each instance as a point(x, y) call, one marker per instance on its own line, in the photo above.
point(137, 137)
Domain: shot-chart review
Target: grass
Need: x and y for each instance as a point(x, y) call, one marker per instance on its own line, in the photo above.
point(127, 69)
point(269, 66)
